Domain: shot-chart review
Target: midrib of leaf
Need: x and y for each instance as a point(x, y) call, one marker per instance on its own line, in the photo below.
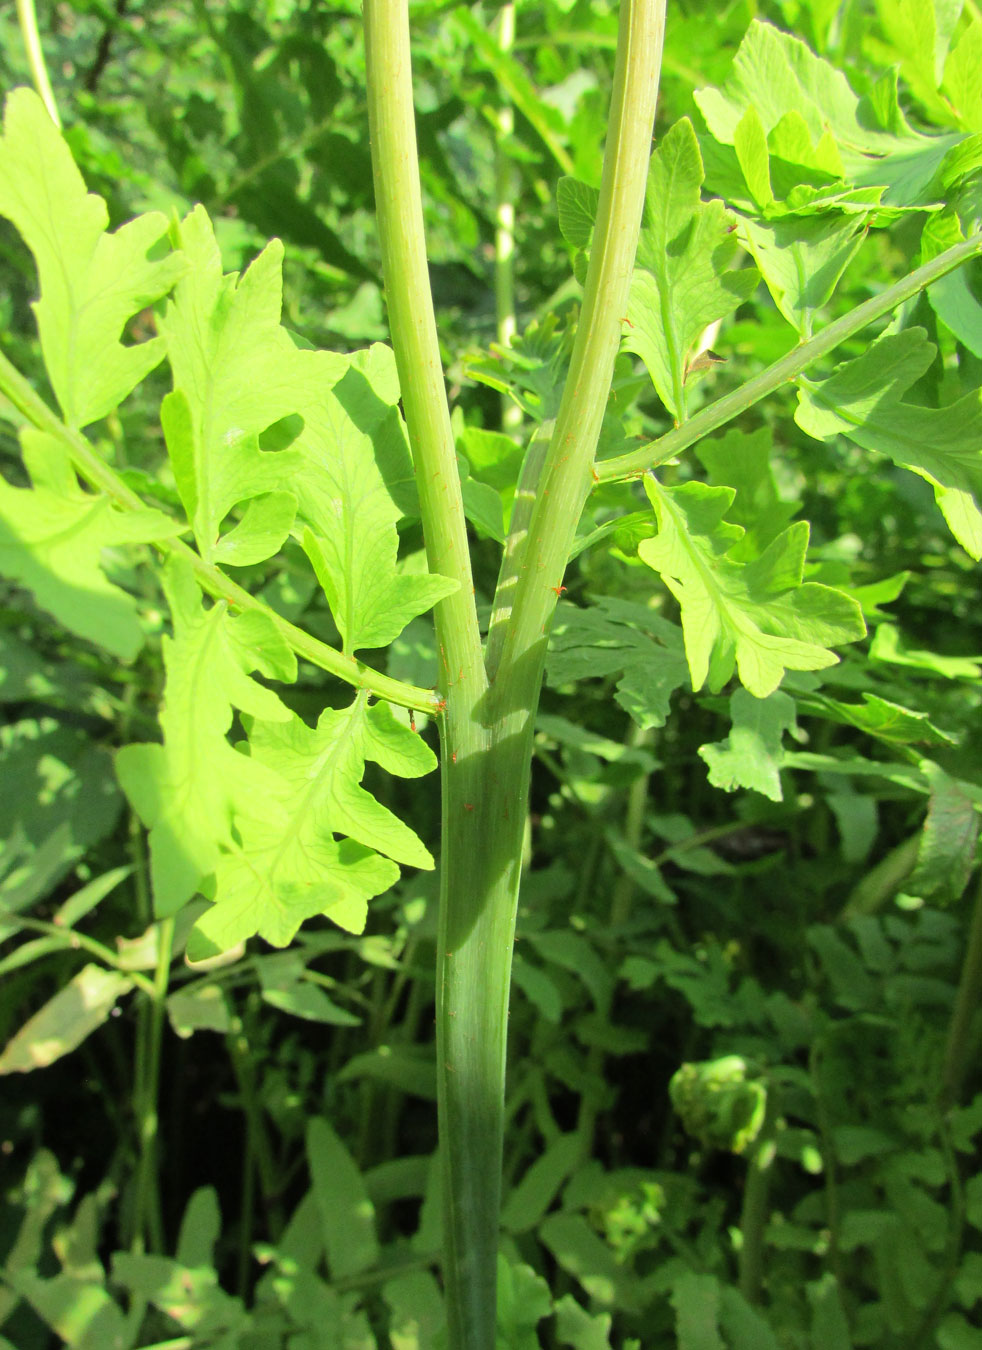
point(671, 338)
point(325, 764)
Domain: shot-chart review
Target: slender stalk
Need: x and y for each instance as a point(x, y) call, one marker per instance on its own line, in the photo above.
point(147, 1219)
point(98, 474)
point(754, 1214)
point(504, 217)
point(963, 1036)
point(28, 20)
point(787, 368)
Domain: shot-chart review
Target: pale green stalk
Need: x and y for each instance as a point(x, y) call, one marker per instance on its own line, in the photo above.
point(504, 218)
point(147, 1216)
point(487, 732)
point(28, 20)
point(788, 368)
point(98, 474)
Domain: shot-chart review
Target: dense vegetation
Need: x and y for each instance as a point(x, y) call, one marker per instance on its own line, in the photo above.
point(744, 1106)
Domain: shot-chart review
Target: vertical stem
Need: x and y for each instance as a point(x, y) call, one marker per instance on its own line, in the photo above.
point(567, 473)
point(962, 1043)
point(148, 1220)
point(28, 20)
point(487, 741)
point(504, 218)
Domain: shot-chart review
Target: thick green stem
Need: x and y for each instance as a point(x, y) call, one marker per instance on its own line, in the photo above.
point(788, 368)
point(487, 732)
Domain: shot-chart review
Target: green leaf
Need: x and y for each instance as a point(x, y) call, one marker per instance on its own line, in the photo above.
point(77, 1010)
point(79, 1311)
point(285, 864)
point(190, 791)
point(802, 260)
point(347, 1214)
point(577, 1328)
point(696, 1300)
point(91, 282)
point(53, 541)
point(963, 75)
point(744, 461)
point(776, 75)
point(946, 855)
point(538, 1188)
point(878, 717)
point(576, 205)
point(862, 400)
point(615, 636)
point(236, 373)
point(757, 617)
point(683, 279)
point(751, 754)
point(956, 297)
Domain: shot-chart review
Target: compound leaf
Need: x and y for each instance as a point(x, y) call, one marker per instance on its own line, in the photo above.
point(755, 616)
point(862, 399)
point(92, 282)
point(53, 538)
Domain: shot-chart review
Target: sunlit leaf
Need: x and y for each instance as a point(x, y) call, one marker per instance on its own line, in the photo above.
point(91, 282)
point(758, 616)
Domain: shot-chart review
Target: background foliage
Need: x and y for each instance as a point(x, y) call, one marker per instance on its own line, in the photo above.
point(771, 891)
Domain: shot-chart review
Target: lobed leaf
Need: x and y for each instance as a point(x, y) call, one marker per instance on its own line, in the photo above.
point(285, 863)
point(750, 756)
point(92, 282)
point(862, 399)
point(616, 637)
point(683, 280)
point(53, 541)
point(777, 75)
point(192, 791)
point(756, 616)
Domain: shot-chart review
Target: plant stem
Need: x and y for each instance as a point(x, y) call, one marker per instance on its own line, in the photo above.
point(98, 474)
point(962, 1037)
point(28, 20)
point(147, 1218)
point(787, 368)
point(504, 217)
point(754, 1212)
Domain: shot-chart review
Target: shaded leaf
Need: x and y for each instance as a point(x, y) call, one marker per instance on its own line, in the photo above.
point(751, 754)
point(63, 1023)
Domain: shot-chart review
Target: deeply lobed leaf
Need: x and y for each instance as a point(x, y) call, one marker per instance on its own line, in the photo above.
point(92, 282)
point(757, 616)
